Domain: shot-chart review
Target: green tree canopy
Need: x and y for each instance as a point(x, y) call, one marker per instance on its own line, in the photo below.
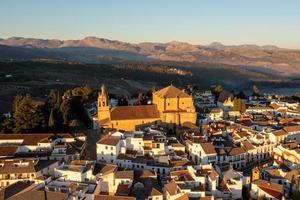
point(28, 115)
point(123, 101)
point(255, 91)
point(239, 105)
point(142, 99)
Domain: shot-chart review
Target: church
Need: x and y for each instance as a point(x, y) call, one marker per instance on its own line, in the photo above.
point(169, 105)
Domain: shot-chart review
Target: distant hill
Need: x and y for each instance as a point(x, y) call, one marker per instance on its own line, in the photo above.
point(97, 50)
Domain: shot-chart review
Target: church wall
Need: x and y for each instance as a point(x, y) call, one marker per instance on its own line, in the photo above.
point(188, 117)
point(130, 125)
point(173, 103)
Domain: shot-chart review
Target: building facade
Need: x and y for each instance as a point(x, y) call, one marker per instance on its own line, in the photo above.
point(169, 105)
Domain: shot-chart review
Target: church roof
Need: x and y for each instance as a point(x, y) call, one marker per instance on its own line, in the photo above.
point(171, 92)
point(134, 112)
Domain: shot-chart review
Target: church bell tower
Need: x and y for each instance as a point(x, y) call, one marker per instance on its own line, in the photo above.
point(103, 107)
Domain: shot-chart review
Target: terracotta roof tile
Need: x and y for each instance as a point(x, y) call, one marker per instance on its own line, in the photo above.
point(8, 150)
point(247, 145)
point(292, 128)
point(135, 112)
point(171, 92)
point(127, 174)
point(109, 141)
point(108, 197)
point(208, 148)
point(171, 188)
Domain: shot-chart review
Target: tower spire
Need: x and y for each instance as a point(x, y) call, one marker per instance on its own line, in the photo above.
point(103, 89)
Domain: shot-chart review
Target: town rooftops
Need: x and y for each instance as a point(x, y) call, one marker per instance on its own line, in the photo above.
point(107, 169)
point(236, 151)
point(171, 92)
point(171, 188)
point(8, 151)
point(291, 129)
point(127, 174)
point(109, 141)
point(39, 195)
point(208, 148)
point(32, 139)
point(272, 189)
point(109, 197)
point(247, 145)
point(280, 132)
point(135, 112)
point(27, 166)
point(14, 189)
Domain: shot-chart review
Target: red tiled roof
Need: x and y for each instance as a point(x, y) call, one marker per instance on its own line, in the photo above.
point(171, 92)
point(208, 148)
point(236, 151)
point(247, 145)
point(8, 150)
point(135, 112)
point(292, 128)
point(109, 141)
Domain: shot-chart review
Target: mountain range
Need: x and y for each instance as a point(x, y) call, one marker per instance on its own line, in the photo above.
point(285, 62)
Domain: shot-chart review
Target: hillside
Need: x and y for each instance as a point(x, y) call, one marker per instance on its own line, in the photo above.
point(97, 50)
point(126, 78)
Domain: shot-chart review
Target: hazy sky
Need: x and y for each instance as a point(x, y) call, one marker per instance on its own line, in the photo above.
point(260, 22)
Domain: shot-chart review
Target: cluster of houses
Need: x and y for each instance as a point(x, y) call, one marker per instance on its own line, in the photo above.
point(227, 154)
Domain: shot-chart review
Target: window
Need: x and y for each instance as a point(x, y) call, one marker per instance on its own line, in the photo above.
point(106, 147)
point(111, 148)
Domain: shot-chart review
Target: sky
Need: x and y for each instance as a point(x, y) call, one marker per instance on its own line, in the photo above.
point(231, 22)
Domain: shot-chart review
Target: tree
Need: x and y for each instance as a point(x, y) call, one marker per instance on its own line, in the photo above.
point(142, 99)
point(153, 89)
point(243, 107)
point(122, 101)
point(245, 193)
point(239, 105)
point(7, 125)
point(73, 124)
point(51, 121)
point(18, 98)
point(65, 110)
point(255, 91)
point(53, 99)
point(216, 90)
point(296, 195)
point(27, 115)
point(241, 95)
